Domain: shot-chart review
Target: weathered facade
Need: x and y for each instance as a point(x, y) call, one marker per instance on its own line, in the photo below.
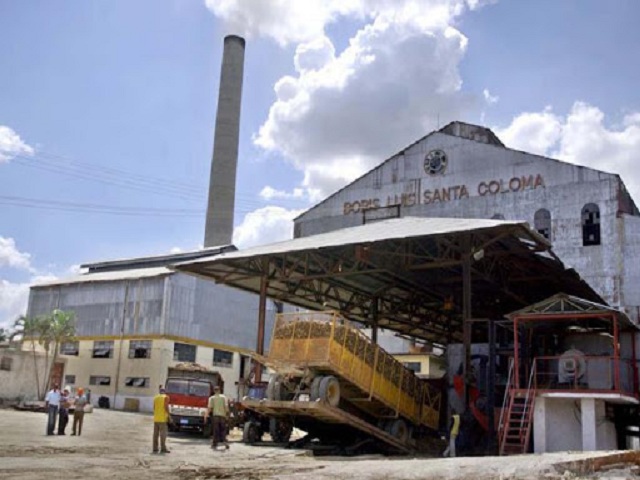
point(465, 171)
point(116, 306)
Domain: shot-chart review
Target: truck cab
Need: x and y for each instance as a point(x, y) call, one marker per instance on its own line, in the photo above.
point(189, 389)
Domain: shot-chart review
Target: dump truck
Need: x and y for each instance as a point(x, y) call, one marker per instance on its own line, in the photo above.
point(328, 373)
point(189, 386)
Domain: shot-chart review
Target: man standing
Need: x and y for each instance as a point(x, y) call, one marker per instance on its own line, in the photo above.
point(52, 403)
point(219, 410)
point(78, 412)
point(160, 420)
point(63, 412)
point(454, 429)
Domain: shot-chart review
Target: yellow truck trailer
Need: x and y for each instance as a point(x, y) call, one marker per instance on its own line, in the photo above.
point(328, 369)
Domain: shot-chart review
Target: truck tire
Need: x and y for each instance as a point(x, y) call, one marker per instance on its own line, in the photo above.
point(280, 430)
point(399, 429)
point(250, 433)
point(330, 390)
point(314, 395)
point(275, 388)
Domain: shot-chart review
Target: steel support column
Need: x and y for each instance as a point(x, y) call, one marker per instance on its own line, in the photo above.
point(466, 315)
point(374, 320)
point(491, 386)
point(262, 316)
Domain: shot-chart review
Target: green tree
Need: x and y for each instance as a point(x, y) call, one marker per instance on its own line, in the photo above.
point(29, 329)
point(59, 327)
point(4, 334)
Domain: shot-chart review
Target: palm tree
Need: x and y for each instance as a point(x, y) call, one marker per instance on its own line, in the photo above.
point(59, 327)
point(29, 328)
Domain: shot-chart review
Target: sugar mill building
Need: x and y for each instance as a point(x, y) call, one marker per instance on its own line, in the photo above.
point(465, 171)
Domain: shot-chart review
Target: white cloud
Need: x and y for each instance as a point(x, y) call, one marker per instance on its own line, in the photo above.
point(175, 250)
point(581, 137)
point(13, 301)
point(10, 256)
point(534, 132)
point(343, 112)
point(14, 297)
point(270, 193)
point(490, 99)
point(265, 225)
point(11, 145)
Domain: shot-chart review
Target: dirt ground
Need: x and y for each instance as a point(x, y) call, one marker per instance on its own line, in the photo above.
point(118, 445)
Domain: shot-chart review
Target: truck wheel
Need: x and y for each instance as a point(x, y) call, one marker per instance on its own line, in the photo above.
point(280, 430)
point(274, 388)
point(330, 390)
point(399, 429)
point(250, 433)
point(314, 394)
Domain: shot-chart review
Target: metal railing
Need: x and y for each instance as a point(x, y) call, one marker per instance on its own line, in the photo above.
point(584, 373)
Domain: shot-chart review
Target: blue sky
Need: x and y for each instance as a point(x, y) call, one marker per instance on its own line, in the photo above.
point(132, 87)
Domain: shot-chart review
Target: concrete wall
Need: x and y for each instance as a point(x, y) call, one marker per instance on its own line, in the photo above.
point(175, 304)
point(19, 383)
point(155, 368)
point(564, 424)
point(524, 182)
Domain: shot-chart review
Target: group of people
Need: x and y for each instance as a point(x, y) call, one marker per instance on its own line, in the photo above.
point(217, 412)
point(57, 405)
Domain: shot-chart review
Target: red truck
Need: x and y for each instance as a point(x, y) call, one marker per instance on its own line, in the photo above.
point(189, 387)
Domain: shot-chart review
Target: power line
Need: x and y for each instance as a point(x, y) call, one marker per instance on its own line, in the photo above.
point(44, 204)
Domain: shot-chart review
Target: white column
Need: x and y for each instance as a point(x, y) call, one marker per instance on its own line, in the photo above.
point(588, 407)
point(540, 425)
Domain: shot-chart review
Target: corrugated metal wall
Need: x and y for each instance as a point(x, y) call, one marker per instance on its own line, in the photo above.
point(175, 304)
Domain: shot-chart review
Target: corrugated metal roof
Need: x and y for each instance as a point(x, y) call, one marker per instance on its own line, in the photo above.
point(405, 227)
point(109, 276)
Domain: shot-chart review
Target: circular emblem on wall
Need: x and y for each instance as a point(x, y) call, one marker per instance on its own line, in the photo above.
point(435, 163)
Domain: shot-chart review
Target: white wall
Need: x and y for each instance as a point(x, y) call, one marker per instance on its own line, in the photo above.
point(20, 382)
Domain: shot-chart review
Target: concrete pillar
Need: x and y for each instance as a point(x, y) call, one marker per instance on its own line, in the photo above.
point(589, 438)
point(540, 425)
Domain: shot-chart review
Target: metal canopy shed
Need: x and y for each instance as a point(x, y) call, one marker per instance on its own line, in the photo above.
point(415, 276)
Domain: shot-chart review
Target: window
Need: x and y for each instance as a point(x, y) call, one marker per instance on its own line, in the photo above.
point(140, 382)
point(5, 363)
point(70, 348)
point(183, 352)
point(222, 358)
point(413, 366)
point(103, 349)
point(542, 223)
point(590, 225)
point(69, 379)
point(99, 380)
point(140, 349)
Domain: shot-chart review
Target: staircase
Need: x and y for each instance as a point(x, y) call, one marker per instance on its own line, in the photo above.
point(516, 417)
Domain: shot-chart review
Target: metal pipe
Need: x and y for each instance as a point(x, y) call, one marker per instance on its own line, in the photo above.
point(262, 315)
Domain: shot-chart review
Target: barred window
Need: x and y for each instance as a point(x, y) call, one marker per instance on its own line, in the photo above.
point(222, 358)
point(70, 348)
point(103, 349)
point(183, 352)
point(140, 349)
point(69, 379)
point(140, 382)
point(413, 366)
point(542, 223)
point(99, 380)
point(590, 225)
